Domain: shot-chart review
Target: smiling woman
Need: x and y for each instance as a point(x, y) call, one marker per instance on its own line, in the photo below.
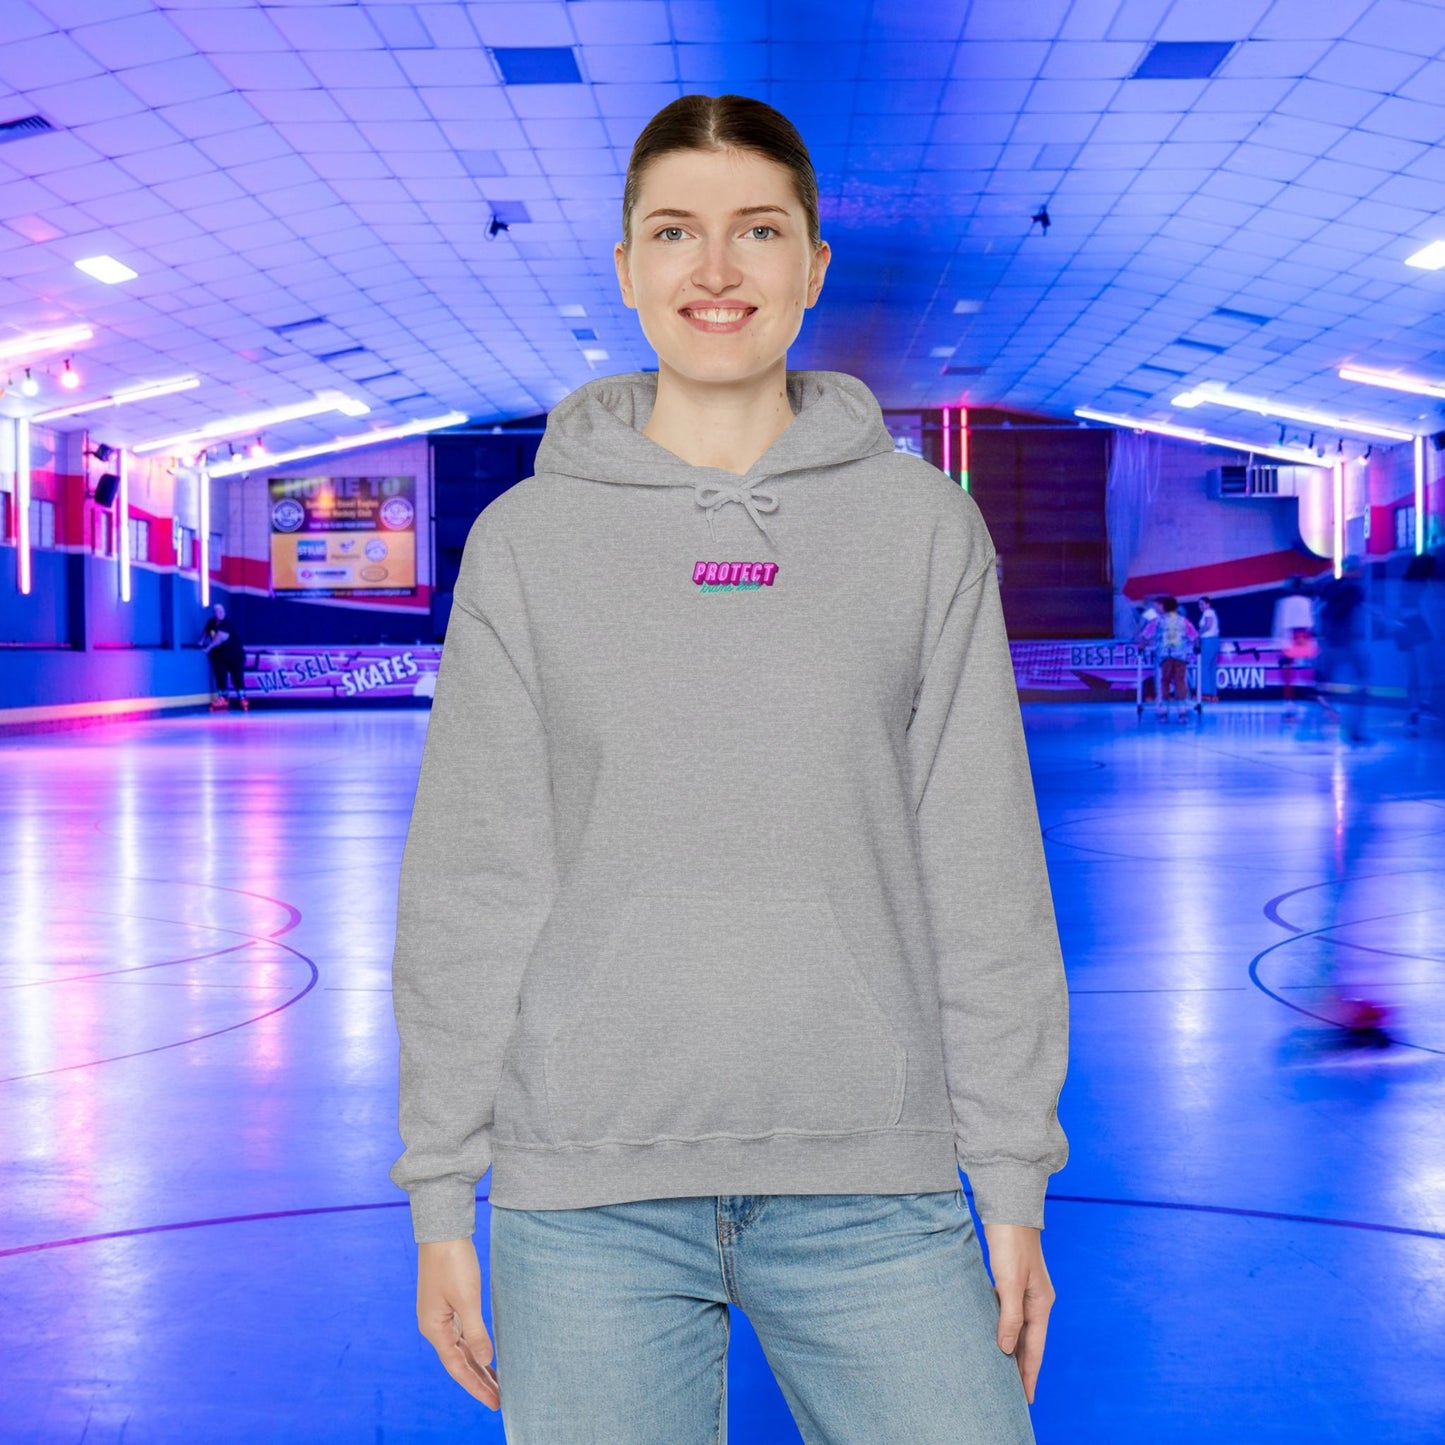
point(724, 935)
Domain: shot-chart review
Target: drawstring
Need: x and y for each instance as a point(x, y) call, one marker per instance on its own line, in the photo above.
point(713, 496)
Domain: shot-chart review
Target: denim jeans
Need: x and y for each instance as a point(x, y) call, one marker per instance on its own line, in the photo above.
point(874, 1311)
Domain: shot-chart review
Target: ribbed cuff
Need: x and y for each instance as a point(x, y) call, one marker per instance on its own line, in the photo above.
point(1009, 1192)
point(443, 1208)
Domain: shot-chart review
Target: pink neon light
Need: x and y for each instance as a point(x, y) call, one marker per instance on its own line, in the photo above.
point(947, 441)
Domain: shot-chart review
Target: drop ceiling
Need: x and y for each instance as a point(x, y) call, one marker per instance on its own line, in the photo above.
point(306, 191)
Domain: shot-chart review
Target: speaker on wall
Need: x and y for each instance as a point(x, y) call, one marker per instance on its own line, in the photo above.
point(1438, 439)
point(106, 488)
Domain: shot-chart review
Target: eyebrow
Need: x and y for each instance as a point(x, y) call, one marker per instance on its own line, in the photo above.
point(740, 212)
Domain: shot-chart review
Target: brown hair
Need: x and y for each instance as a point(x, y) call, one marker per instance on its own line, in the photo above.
point(722, 122)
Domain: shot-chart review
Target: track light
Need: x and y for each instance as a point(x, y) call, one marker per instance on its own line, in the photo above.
point(29, 387)
point(70, 377)
point(1040, 218)
point(494, 227)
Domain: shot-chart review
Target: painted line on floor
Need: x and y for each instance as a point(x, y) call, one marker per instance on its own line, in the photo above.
point(1169, 1204)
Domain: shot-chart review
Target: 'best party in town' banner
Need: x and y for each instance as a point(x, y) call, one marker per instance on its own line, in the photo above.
point(343, 536)
point(1109, 669)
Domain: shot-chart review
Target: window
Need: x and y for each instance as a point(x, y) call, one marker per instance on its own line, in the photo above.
point(185, 548)
point(213, 552)
point(140, 539)
point(42, 522)
point(102, 533)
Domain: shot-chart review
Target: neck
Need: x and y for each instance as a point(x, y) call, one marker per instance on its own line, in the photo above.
point(727, 425)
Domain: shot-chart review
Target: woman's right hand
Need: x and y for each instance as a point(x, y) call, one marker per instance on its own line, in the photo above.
point(449, 1315)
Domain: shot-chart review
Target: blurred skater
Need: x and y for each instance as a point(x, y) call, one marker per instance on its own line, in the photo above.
point(1415, 638)
point(1343, 667)
point(1294, 635)
point(1173, 636)
point(222, 644)
point(1208, 651)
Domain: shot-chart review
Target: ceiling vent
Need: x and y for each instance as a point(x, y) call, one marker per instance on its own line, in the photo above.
point(952, 370)
point(1182, 60)
point(1244, 482)
point(23, 128)
point(1245, 318)
point(537, 65)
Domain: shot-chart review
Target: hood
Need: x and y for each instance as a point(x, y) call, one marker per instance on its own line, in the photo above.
point(595, 433)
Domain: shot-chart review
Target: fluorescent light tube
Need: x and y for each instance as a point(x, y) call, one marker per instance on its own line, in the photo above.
point(107, 269)
point(319, 405)
point(120, 398)
point(35, 341)
point(1263, 406)
point(1191, 434)
point(1392, 381)
point(341, 444)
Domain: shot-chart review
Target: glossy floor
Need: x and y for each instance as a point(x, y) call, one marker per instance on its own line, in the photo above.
point(198, 1240)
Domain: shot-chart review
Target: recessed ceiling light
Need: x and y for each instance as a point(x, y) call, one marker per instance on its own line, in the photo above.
point(1428, 258)
point(943, 352)
point(107, 269)
point(967, 308)
point(594, 353)
point(571, 308)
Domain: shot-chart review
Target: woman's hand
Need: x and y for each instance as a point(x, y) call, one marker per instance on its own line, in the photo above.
point(1025, 1296)
point(449, 1315)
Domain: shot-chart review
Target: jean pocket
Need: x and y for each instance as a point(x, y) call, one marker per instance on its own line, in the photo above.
point(732, 1014)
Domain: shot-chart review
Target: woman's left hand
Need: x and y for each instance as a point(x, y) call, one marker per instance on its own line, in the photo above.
point(1025, 1296)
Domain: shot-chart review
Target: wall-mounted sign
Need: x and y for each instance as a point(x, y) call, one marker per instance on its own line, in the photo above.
point(343, 674)
point(343, 536)
point(1107, 669)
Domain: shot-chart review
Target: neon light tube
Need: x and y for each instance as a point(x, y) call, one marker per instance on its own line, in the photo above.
point(22, 503)
point(963, 447)
point(1419, 496)
point(1339, 509)
point(123, 522)
point(203, 562)
point(1263, 406)
point(1191, 434)
point(322, 402)
point(365, 439)
point(120, 398)
point(947, 445)
point(36, 341)
point(1392, 381)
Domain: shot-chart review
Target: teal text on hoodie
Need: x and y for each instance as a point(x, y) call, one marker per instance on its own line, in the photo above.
point(724, 873)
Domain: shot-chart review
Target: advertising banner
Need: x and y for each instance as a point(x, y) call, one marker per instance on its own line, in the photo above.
point(343, 536)
point(1103, 670)
point(1108, 669)
point(343, 674)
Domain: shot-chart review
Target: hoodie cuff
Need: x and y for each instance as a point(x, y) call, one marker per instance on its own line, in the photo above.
point(443, 1208)
point(1009, 1192)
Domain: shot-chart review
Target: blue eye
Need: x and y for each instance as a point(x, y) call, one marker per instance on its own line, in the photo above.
point(755, 229)
point(664, 232)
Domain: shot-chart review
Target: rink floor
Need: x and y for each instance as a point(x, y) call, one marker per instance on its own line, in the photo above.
point(199, 1241)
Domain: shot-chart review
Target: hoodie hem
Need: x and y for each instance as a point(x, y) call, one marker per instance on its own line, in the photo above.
point(887, 1161)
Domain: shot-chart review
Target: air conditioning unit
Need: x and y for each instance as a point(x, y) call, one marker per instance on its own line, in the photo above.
point(1266, 479)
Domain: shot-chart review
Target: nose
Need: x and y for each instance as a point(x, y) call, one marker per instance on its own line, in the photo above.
point(717, 269)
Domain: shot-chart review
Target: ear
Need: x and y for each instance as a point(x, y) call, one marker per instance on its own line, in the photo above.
point(817, 269)
point(624, 275)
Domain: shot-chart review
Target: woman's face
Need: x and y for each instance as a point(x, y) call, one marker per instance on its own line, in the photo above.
point(720, 268)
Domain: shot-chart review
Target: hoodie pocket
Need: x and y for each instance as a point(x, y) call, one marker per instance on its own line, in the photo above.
point(733, 1015)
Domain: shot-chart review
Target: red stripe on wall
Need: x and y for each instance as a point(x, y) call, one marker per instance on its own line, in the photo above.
point(1240, 574)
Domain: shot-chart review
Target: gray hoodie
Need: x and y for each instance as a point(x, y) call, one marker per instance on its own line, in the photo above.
point(724, 873)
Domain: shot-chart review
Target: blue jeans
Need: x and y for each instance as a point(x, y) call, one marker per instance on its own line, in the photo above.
point(874, 1311)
